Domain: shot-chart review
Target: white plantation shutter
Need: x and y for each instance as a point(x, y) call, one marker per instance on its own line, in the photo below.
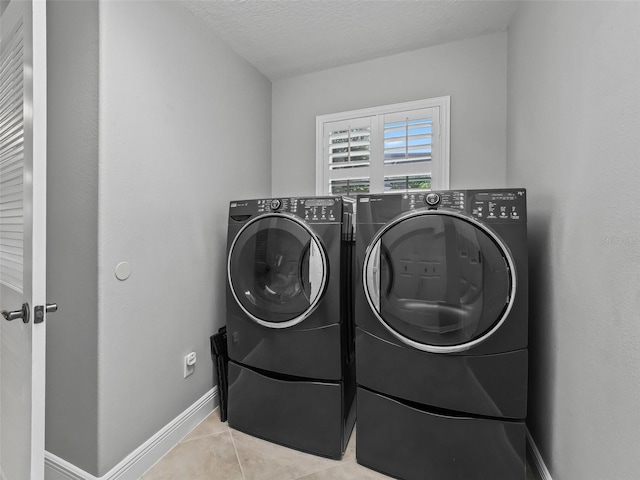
point(408, 149)
point(406, 139)
point(348, 160)
point(11, 159)
point(401, 147)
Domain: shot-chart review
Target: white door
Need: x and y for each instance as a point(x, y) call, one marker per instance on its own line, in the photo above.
point(22, 237)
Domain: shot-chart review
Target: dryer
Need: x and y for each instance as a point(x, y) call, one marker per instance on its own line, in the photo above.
point(441, 334)
point(290, 321)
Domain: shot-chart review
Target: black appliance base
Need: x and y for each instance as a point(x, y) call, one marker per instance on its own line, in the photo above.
point(482, 385)
point(408, 442)
point(310, 416)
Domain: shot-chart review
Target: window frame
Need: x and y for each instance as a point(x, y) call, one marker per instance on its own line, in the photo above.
point(440, 163)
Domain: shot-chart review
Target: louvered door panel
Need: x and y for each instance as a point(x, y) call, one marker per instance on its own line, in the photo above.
point(23, 174)
point(12, 160)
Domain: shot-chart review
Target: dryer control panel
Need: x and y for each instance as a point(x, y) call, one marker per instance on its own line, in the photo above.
point(499, 206)
point(494, 205)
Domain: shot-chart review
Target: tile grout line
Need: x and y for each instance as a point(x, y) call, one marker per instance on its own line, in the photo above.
point(236, 452)
point(324, 469)
point(200, 437)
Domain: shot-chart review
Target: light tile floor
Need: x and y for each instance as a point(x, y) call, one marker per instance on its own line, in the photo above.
point(213, 451)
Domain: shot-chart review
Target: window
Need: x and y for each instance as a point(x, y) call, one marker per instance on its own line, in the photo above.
point(394, 148)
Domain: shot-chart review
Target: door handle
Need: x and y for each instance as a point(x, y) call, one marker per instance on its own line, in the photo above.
point(23, 313)
point(317, 271)
point(372, 276)
point(38, 312)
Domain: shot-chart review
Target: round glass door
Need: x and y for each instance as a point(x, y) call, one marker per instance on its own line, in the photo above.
point(277, 270)
point(439, 280)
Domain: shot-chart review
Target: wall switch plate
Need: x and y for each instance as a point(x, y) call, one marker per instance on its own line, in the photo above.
point(189, 364)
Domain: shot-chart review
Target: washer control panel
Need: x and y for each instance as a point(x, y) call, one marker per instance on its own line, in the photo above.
point(495, 205)
point(316, 209)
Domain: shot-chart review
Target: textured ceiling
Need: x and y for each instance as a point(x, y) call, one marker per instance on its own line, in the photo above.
point(284, 38)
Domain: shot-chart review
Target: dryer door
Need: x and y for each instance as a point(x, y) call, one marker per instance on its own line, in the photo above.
point(277, 270)
point(439, 280)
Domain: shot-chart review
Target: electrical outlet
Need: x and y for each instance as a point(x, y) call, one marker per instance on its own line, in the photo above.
point(189, 364)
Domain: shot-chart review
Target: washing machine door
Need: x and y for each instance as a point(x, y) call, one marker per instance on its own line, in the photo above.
point(439, 280)
point(277, 270)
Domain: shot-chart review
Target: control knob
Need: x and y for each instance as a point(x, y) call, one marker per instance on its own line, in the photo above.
point(432, 199)
point(275, 204)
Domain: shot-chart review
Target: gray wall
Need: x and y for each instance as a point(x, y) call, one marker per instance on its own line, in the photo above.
point(574, 118)
point(173, 107)
point(472, 72)
point(72, 232)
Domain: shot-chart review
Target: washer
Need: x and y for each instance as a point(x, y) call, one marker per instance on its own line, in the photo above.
point(290, 321)
point(441, 334)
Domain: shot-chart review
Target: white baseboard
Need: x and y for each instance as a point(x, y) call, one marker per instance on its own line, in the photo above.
point(146, 455)
point(536, 461)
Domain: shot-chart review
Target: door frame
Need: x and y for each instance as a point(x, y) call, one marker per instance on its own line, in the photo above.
point(39, 235)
